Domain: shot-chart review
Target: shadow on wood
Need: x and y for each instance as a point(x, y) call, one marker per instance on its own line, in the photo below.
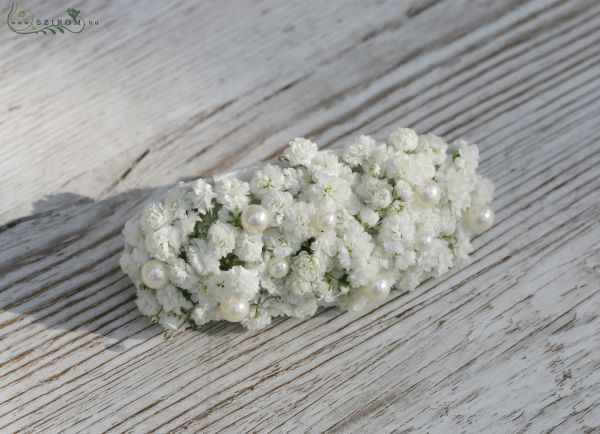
point(61, 273)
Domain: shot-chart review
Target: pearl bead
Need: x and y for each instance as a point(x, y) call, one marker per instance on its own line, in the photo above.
point(377, 289)
point(154, 274)
point(234, 310)
point(255, 219)
point(325, 221)
point(424, 242)
point(278, 267)
point(479, 219)
point(430, 193)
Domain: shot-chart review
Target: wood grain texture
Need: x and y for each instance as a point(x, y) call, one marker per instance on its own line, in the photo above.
point(93, 126)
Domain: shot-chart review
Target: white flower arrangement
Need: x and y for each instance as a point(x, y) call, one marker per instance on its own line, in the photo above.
point(315, 228)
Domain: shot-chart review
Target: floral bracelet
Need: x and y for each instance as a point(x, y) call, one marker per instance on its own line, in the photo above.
point(311, 229)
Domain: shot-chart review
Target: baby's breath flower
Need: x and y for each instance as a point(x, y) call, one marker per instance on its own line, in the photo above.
point(307, 266)
point(201, 196)
point(222, 238)
point(147, 303)
point(300, 152)
point(232, 193)
point(403, 139)
point(155, 217)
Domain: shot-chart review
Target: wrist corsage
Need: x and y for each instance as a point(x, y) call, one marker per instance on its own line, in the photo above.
point(310, 229)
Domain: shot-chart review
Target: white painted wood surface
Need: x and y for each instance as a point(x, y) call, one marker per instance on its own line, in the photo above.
point(93, 125)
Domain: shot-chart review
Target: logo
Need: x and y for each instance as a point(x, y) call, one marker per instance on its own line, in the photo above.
point(24, 22)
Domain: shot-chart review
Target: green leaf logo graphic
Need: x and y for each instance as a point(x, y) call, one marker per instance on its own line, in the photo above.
point(73, 13)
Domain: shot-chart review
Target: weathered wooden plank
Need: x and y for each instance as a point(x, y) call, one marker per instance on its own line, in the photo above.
point(510, 343)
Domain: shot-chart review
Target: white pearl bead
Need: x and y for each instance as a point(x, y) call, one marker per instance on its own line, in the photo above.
point(154, 274)
point(430, 193)
point(424, 242)
point(278, 267)
point(234, 310)
point(255, 219)
point(325, 221)
point(377, 289)
point(479, 219)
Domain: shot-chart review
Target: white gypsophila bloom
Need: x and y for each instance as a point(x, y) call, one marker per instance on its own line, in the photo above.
point(403, 190)
point(325, 245)
point(201, 196)
point(363, 270)
point(437, 259)
point(300, 152)
point(366, 185)
point(396, 233)
point(334, 189)
point(276, 241)
point(336, 280)
point(147, 303)
point(170, 322)
point(299, 223)
point(181, 274)
point(353, 301)
point(434, 147)
point(460, 245)
point(163, 243)
point(381, 198)
point(456, 188)
point(359, 151)
point(375, 166)
point(295, 178)
point(299, 306)
point(204, 313)
point(368, 217)
point(217, 286)
point(396, 207)
point(140, 255)
point(172, 300)
point(186, 224)
point(446, 220)
point(355, 245)
point(412, 168)
point(325, 164)
point(405, 260)
point(323, 292)
point(380, 260)
point(238, 282)
point(130, 267)
point(244, 283)
point(267, 179)
point(133, 234)
point(467, 158)
point(408, 281)
point(175, 201)
point(202, 258)
point(248, 247)
point(330, 189)
point(232, 193)
point(155, 217)
point(260, 321)
point(403, 139)
point(308, 267)
point(297, 285)
point(266, 282)
point(278, 203)
point(222, 238)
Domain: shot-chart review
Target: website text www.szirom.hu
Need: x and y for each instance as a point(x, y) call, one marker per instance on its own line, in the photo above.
point(57, 22)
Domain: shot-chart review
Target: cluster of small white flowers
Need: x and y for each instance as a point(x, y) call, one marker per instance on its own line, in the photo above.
point(393, 213)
